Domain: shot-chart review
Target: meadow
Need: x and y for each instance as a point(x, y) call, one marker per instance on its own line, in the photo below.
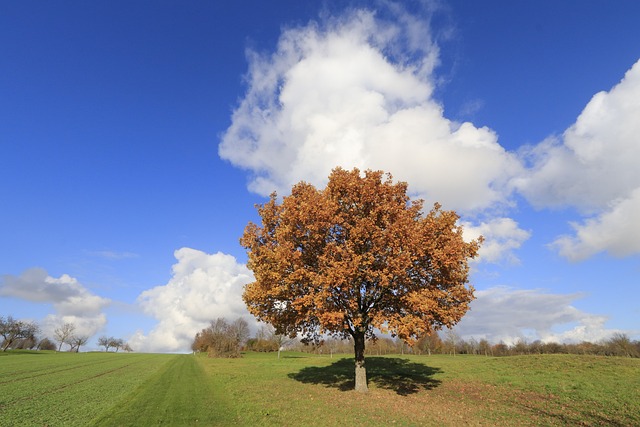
point(299, 389)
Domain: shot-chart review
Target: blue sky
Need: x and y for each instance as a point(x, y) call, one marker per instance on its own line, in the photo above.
point(136, 137)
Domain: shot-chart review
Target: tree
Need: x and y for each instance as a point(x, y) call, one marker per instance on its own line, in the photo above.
point(105, 341)
point(357, 256)
point(271, 340)
point(221, 338)
point(46, 344)
point(76, 341)
point(12, 330)
point(484, 347)
point(116, 343)
point(620, 345)
point(239, 331)
point(64, 334)
point(429, 343)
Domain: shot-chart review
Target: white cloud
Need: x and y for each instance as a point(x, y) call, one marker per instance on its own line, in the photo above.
point(502, 237)
point(616, 231)
point(72, 302)
point(86, 325)
point(508, 315)
point(594, 167)
point(357, 92)
point(203, 288)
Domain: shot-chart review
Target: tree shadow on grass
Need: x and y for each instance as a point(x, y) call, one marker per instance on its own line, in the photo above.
point(400, 375)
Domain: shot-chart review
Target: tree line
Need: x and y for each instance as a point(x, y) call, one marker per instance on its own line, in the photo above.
point(227, 339)
point(450, 343)
point(25, 335)
point(19, 334)
point(114, 343)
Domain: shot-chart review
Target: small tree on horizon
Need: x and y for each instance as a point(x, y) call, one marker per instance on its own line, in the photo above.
point(77, 341)
point(357, 256)
point(116, 343)
point(64, 334)
point(105, 341)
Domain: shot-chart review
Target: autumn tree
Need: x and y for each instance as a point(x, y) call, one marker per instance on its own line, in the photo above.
point(354, 257)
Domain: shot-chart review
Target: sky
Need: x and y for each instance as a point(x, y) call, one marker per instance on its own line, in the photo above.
point(136, 139)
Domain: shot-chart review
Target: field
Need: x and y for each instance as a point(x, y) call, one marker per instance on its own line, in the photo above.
point(108, 389)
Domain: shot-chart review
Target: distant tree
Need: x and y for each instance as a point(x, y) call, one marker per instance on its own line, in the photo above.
point(27, 343)
point(46, 344)
point(76, 341)
point(116, 343)
point(357, 256)
point(500, 349)
point(127, 348)
point(380, 346)
point(221, 338)
point(64, 334)
point(621, 345)
point(471, 346)
point(429, 344)
point(520, 347)
point(267, 339)
point(12, 330)
point(452, 339)
point(535, 347)
point(239, 330)
point(551, 348)
point(484, 347)
point(105, 341)
point(263, 340)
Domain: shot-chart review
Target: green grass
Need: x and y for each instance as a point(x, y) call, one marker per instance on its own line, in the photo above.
point(307, 390)
point(177, 395)
point(52, 389)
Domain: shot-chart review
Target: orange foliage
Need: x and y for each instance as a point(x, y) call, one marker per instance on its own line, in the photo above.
point(355, 256)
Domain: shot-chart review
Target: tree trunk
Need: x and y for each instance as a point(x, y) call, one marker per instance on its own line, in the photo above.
point(361, 372)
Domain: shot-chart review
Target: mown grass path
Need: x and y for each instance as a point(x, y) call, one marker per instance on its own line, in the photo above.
point(177, 395)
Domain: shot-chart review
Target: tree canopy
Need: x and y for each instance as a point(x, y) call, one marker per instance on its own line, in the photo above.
point(354, 257)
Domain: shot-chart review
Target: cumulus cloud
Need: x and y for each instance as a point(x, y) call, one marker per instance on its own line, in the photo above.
point(202, 288)
point(502, 237)
point(594, 166)
point(509, 315)
point(357, 91)
point(616, 230)
point(73, 303)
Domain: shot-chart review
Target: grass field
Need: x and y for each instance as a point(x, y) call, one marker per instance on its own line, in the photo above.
point(107, 389)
